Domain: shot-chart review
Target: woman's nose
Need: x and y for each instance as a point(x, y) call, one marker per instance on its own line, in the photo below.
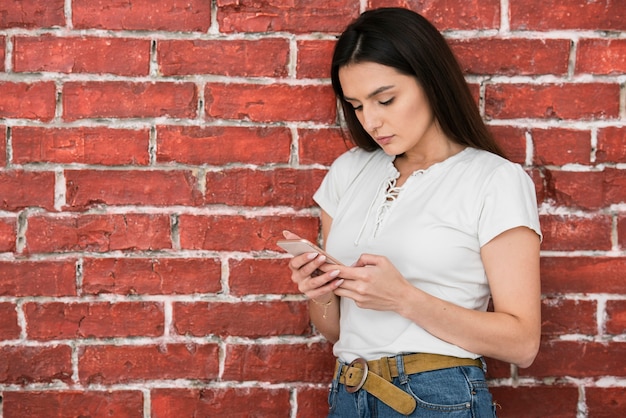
point(371, 119)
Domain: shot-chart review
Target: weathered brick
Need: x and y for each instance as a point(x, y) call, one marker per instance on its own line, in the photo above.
point(252, 320)
point(9, 328)
point(235, 58)
point(531, 57)
point(35, 100)
point(542, 15)
point(31, 14)
point(312, 402)
point(605, 402)
point(445, 14)
point(82, 145)
point(570, 233)
point(166, 15)
point(281, 363)
point(616, 317)
point(38, 278)
point(270, 103)
point(2, 52)
point(22, 189)
point(588, 190)
point(281, 16)
point(535, 401)
point(60, 321)
point(321, 146)
point(512, 140)
point(41, 364)
point(130, 57)
point(218, 145)
point(314, 58)
point(258, 276)
point(213, 402)
point(108, 364)
point(561, 146)
point(98, 233)
point(88, 403)
point(582, 101)
point(153, 276)
point(564, 316)
point(611, 146)
point(278, 187)
point(87, 188)
point(601, 56)
point(598, 274)
point(121, 99)
point(8, 234)
point(238, 233)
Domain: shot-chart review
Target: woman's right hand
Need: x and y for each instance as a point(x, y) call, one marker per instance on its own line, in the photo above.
point(314, 277)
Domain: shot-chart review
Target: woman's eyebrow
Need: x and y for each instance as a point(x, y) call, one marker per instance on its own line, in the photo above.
point(372, 94)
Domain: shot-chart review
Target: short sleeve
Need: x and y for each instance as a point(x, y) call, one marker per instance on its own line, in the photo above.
point(508, 201)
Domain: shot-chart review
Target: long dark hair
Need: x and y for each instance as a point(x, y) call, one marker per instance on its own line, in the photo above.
point(406, 41)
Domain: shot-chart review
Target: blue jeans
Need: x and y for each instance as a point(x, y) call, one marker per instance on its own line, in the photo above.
point(457, 392)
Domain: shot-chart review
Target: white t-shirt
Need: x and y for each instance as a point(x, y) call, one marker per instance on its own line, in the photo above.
point(432, 231)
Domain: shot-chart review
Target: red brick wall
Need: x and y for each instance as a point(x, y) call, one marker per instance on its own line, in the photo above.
point(151, 152)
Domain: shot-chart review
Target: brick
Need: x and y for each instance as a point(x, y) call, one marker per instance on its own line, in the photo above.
point(587, 190)
point(36, 101)
point(38, 278)
point(8, 234)
point(214, 402)
point(238, 233)
point(166, 15)
point(552, 101)
point(597, 274)
point(321, 146)
point(278, 187)
point(558, 146)
point(151, 276)
point(563, 316)
point(497, 369)
point(31, 14)
point(601, 56)
point(493, 56)
point(611, 146)
point(270, 103)
point(3, 142)
point(605, 402)
point(281, 363)
point(9, 328)
point(578, 359)
point(61, 321)
point(444, 14)
point(86, 188)
point(571, 233)
point(235, 58)
point(98, 233)
point(542, 15)
point(258, 276)
point(88, 403)
point(314, 58)
point(119, 56)
point(512, 140)
point(621, 230)
point(243, 319)
point(106, 364)
point(220, 145)
point(82, 145)
point(26, 365)
point(312, 402)
point(122, 99)
point(616, 317)
point(535, 401)
point(284, 16)
point(22, 189)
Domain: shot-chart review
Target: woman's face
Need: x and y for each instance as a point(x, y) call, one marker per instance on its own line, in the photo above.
point(392, 107)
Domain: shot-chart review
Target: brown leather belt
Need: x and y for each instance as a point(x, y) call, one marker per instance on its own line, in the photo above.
point(375, 376)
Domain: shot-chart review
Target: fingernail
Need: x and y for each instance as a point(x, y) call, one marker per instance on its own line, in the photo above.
point(334, 273)
point(311, 256)
point(338, 282)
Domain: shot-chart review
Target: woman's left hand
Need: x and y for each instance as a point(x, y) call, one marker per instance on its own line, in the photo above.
point(373, 282)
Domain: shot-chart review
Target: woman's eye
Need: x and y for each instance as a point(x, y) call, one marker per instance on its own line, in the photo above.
point(387, 102)
point(357, 108)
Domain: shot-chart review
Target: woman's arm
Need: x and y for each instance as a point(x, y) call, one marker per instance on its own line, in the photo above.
point(511, 333)
point(323, 303)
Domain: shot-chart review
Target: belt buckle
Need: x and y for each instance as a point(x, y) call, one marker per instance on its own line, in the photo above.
point(362, 362)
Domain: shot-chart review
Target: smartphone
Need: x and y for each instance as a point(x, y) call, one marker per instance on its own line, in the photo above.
point(301, 246)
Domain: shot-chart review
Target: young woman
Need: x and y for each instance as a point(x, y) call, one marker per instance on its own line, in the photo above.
point(430, 221)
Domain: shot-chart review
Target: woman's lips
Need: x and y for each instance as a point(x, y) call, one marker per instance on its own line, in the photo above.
point(384, 140)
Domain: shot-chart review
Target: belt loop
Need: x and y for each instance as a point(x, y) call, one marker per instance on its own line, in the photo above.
point(401, 372)
point(482, 360)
